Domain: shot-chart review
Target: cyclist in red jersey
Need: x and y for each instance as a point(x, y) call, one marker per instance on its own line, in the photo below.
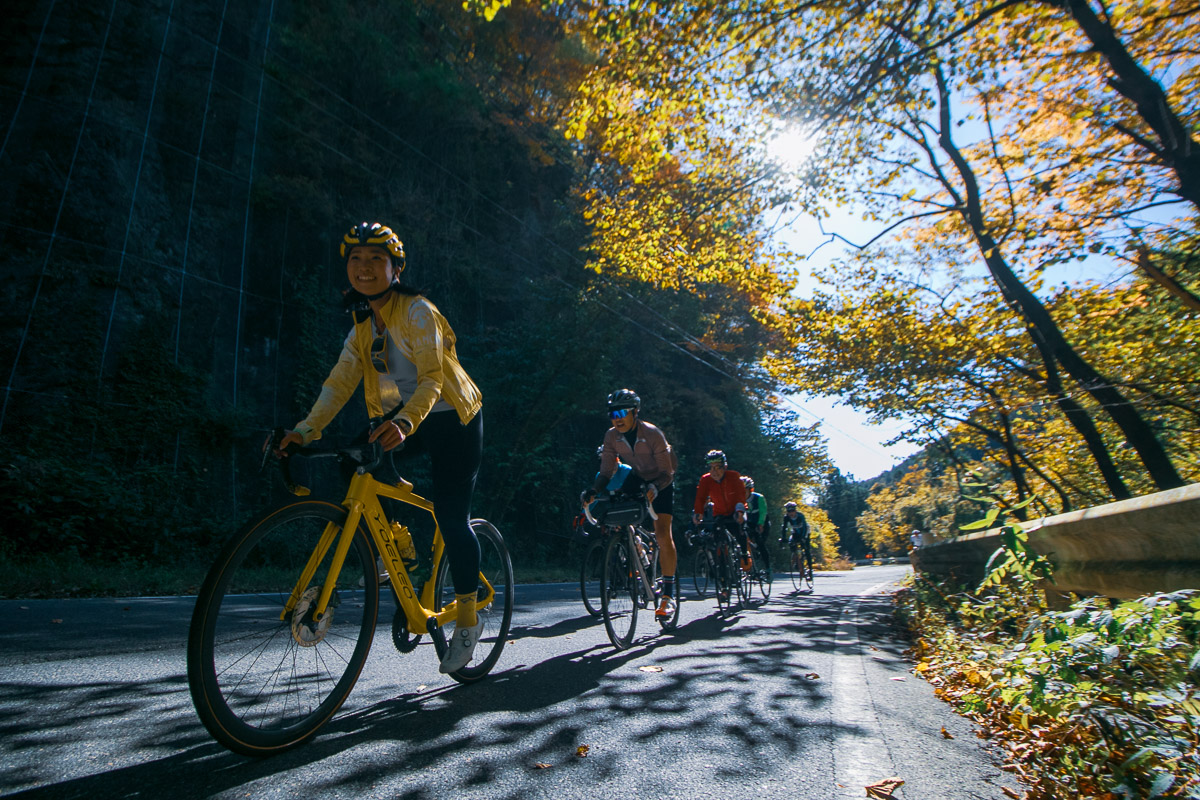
point(724, 488)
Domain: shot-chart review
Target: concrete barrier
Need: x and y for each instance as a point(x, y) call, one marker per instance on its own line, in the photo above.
point(1125, 549)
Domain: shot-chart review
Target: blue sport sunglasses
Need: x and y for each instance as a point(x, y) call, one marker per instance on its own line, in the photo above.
point(619, 413)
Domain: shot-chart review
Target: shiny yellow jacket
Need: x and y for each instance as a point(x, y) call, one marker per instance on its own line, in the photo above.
point(424, 336)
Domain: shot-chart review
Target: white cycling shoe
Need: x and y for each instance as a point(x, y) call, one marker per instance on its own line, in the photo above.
point(461, 648)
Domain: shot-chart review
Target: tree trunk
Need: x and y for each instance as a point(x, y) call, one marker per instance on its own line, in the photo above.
point(1175, 145)
point(1041, 325)
point(1083, 423)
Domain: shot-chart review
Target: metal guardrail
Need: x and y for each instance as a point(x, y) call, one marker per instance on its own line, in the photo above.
point(1124, 549)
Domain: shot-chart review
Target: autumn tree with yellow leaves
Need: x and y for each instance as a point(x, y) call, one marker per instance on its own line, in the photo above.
point(993, 139)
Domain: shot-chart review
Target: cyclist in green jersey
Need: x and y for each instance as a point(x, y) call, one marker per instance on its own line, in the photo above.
point(757, 515)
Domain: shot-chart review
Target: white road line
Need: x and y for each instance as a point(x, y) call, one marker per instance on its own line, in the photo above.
point(861, 755)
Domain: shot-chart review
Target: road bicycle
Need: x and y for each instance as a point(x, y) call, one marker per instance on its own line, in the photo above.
point(801, 566)
point(631, 579)
point(718, 565)
point(285, 618)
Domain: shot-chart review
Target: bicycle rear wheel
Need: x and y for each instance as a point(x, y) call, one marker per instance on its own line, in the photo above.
point(619, 591)
point(495, 564)
point(796, 570)
point(263, 679)
point(702, 572)
point(591, 572)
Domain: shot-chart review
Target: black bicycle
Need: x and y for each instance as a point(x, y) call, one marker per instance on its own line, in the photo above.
point(631, 578)
point(717, 565)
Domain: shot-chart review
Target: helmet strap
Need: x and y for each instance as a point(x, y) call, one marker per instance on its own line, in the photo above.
point(384, 293)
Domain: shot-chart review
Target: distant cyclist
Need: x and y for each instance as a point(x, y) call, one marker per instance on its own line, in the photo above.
point(796, 533)
point(725, 489)
point(633, 441)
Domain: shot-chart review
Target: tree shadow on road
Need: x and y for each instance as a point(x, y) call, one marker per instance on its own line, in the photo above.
point(743, 682)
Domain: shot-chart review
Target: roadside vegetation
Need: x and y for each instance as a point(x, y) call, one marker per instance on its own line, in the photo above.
point(1094, 700)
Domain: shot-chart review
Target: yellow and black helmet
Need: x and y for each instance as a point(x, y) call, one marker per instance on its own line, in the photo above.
point(374, 234)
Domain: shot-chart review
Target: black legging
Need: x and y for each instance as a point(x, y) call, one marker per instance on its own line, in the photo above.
point(455, 452)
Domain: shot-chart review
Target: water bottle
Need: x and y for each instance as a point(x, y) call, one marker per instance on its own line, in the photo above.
point(404, 545)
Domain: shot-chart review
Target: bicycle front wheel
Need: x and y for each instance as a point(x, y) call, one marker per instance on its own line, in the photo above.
point(619, 591)
point(591, 572)
point(807, 575)
point(495, 564)
point(264, 679)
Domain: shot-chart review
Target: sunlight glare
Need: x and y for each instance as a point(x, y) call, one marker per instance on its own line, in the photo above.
point(791, 147)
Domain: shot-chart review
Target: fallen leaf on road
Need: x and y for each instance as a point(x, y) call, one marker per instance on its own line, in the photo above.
point(541, 765)
point(946, 734)
point(56, 622)
point(884, 788)
point(1010, 793)
point(421, 688)
point(650, 669)
point(582, 750)
point(24, 608)
point(812, 676)
point(897, 679)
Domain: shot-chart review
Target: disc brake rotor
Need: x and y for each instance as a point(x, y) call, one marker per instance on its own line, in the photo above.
point(305, 630)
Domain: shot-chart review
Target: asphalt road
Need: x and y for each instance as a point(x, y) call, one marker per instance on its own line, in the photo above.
point(800, 697)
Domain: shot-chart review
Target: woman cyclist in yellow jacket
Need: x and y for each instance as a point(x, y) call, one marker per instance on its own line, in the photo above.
point(402, 349)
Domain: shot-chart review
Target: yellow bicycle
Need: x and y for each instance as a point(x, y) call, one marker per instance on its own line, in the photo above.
point(285, 618)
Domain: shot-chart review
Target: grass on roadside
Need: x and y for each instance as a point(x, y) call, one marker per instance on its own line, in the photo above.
point(1096, 701)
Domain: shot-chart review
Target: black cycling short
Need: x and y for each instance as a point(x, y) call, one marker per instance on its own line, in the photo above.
point(663, 500)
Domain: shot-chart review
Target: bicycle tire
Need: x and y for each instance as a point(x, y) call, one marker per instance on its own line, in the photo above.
point(794, 570)
point(591, 573)
point(619, 591)
point(742, 574)
point(262, 681)
point(727, 577)
point(495, 564)
point(765, 576)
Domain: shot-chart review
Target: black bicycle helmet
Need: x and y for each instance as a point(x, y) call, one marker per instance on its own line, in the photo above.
point(624, 398)
point(715, 455)
point(374, 234)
